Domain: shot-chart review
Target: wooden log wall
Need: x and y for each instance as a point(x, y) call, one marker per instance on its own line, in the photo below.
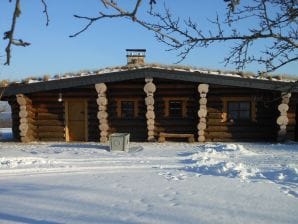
point(282, 119)
point(292, 128)
point(49, 116)
point(176, 90)
point(51, 113)
point(263, 128)
point(202, 112)
point(93, 122)
point(136, 126)
point(27, 117)
point(15, 109)
point(150, 89)
point(292, 112)
point(102, 114)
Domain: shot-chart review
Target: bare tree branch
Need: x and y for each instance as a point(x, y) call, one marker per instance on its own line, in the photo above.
point(279, 28)
point(275, 26)
point(10, 34)
point(120, 13)
point(45, 11)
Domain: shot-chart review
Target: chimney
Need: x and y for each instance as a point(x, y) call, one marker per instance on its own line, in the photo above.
point(135, 56)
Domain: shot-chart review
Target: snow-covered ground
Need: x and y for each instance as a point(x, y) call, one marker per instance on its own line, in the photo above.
point(55, 183)
point(5, 134)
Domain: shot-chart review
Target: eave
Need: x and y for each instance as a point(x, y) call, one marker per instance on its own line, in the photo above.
point(195, 76)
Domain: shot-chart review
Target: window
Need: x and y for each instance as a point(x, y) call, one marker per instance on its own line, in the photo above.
point(175, 106)
point(238, 111)
point(127, 107)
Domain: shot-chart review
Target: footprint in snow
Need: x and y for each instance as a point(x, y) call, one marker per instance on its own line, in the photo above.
point(289, 192)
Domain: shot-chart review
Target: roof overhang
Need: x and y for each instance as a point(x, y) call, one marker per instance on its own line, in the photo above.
point(195, 76)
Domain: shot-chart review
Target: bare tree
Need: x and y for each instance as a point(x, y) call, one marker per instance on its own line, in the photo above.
point(275, 21)
point(9, 35)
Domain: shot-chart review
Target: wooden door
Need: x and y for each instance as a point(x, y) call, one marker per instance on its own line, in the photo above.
point(76, 120)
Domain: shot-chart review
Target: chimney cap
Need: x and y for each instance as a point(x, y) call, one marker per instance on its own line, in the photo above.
point(135, 56)
point(138, 50)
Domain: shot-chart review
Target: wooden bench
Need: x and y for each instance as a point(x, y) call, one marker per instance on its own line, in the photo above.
point(163, 136)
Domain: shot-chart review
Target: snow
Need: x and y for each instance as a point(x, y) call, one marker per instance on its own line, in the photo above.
point(5, 134)
point(55, 183)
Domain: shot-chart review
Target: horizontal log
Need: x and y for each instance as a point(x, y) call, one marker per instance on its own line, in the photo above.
point(150, 127)
point(50, 123)
point(239, 139)
point(104, 127)
point(28, 120)
point(149, 100)
point(24, 127)
point(103, 139)
point(201, 138)
point(203, 88)
point(150, 122)
point(29, 133)
point(102, 101)
point(50, 129)
point(214, 115)
point(201, 126)
point(28, 108)
point(51, 134)
point(244, 129)
point(27, 139)
point(104, 133)
point(49, 116)
point(201, 132)
point(51, 110)
point(242, 135)
point(282, 120)
point(50, 139)
point(24, 113)
point(23, 100)
point(101, 87)
point(213, 109)
point(150, 114)
point(99, 108)
point(202, 113)
point(102, 115)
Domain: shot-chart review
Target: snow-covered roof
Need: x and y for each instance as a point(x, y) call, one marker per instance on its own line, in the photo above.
point(169, 71)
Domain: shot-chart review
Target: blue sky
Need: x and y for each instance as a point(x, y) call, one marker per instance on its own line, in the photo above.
point(53, 52)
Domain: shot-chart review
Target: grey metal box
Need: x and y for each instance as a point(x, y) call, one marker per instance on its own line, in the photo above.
point(119, 142)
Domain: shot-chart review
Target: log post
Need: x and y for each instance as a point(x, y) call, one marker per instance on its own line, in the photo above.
point(27, 125)
point(283, 120)
point(102, 114)
point(202, 112)
point(150, 89)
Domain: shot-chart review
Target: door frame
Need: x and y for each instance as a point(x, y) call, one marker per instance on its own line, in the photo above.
point(85, 101)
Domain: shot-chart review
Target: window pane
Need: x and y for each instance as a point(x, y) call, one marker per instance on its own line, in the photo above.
point(127, 109)
point(233, 106)
point(244, 115)
point(175, 108)
point(244, 106)
point(238, 110)
point(233, 115)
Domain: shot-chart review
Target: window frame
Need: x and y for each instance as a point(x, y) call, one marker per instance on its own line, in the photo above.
point(239, 111)
point(136, 104)
point(225, 110)
point(167, 100)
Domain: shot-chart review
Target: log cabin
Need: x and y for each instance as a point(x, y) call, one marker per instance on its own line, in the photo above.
point(154, 103)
